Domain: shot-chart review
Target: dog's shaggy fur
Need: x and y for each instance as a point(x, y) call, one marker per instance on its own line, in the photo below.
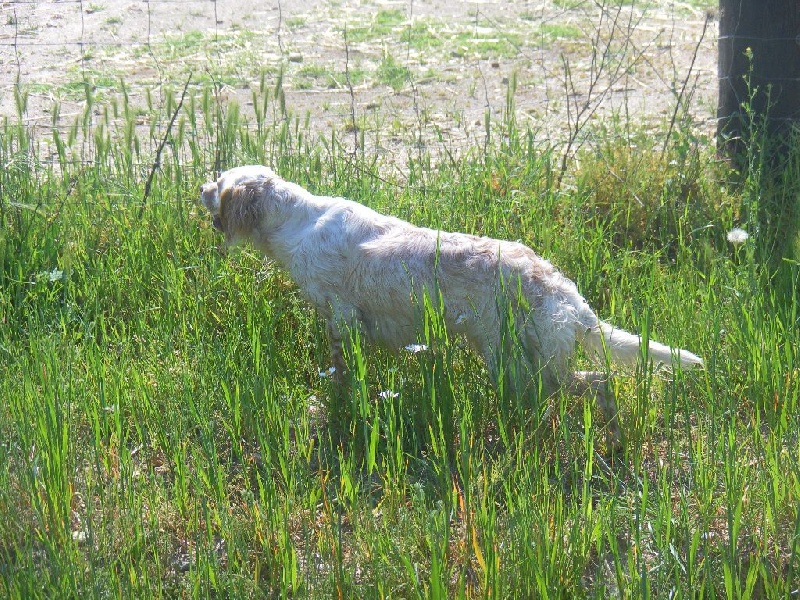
point(361, 269)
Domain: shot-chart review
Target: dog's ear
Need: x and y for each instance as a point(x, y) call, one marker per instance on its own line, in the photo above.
point(240, 210)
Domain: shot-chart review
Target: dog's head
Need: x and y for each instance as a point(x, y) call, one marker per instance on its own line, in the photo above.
point(235, 200)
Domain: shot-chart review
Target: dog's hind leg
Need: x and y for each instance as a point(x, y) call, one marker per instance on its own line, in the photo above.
point(342, 322)
point(597, 384)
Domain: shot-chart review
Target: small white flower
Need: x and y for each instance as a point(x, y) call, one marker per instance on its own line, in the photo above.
point(461, 318)
point(328, 373)
point(388, 394)
point(414, 348)
point(737, 236)
point(51, 276)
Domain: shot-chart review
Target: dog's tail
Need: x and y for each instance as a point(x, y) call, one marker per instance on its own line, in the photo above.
point(626, 348)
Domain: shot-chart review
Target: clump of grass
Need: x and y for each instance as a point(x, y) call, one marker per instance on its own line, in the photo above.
point(423, 34)
point(486, 46)
point(558, 31)
point(380, 25)
point(313, 75)
point(393, 74)
point(647, 198)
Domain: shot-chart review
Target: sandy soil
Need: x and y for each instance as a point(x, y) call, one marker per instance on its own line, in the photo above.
point(416, 69)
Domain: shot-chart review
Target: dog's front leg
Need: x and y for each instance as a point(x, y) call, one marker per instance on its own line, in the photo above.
point(337, 356)
point(342, 323)
point(338, 404)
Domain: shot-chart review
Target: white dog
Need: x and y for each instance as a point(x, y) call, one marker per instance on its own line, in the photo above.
point(364, 270)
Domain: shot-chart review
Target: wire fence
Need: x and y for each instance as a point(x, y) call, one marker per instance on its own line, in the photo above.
point(405, 71)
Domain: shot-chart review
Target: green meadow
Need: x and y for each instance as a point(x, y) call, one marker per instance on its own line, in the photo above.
point(164, 424)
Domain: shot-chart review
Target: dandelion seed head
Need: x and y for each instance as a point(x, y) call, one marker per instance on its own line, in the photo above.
point(737, 236)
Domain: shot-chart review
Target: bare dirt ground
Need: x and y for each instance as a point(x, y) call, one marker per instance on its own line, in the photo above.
point(406, 71)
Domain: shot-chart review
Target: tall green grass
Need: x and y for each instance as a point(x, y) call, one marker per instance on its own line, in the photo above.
point(165, 429)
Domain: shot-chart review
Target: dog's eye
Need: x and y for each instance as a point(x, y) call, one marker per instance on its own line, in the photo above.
point(217, 223)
